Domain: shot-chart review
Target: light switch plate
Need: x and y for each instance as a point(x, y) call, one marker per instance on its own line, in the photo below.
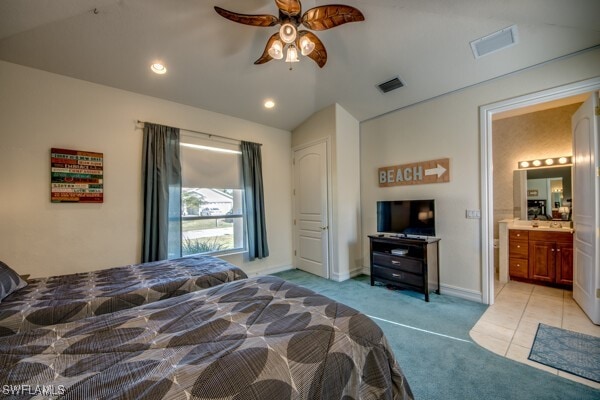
point(473, 214)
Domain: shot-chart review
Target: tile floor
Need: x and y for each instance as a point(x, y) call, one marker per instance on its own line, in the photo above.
point(508, 327)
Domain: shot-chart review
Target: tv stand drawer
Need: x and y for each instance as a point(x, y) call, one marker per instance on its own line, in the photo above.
point(398, 262)
point(400, 277)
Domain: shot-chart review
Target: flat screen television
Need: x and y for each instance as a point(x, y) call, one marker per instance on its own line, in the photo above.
point(406, 217)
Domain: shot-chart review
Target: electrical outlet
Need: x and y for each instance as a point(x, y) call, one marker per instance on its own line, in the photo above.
point(473, 214)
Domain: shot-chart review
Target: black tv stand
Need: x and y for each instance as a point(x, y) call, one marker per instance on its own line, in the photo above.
point(411, 264)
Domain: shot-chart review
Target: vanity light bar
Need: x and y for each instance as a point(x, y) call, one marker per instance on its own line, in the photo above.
point(548, 162)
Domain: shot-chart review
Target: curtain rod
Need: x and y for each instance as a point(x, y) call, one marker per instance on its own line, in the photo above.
point(210, 135)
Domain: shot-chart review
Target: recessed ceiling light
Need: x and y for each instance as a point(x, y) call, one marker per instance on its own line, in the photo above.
point(269, 104)
point(158, 68)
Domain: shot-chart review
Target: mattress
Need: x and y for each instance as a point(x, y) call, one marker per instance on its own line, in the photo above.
point(57, 299)
point(257, 338)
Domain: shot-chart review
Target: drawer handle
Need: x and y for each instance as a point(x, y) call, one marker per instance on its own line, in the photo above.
point(397, 275)
point(518, 247)
point(396, 262)
point(518, 265)
point(518, 234)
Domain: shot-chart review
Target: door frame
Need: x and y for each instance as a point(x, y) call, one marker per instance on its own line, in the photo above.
point(486, 113)
point(330, 223)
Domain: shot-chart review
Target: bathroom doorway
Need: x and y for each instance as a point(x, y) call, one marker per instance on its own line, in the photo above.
point(568, 95)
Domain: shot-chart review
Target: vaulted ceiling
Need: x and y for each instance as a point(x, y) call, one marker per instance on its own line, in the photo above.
point(210, 60)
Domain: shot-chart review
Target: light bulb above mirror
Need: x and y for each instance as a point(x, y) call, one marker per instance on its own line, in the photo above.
point(548, 162)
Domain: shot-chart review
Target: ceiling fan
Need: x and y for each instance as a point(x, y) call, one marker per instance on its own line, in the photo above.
point(291, 39)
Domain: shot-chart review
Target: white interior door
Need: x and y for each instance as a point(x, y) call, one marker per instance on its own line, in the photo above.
point(311, 226)
point(586, 212)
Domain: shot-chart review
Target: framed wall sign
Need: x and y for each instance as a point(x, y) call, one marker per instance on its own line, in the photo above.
point(76, 176)
point(418, 173)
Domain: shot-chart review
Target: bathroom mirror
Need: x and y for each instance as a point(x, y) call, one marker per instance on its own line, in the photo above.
point(543, 193)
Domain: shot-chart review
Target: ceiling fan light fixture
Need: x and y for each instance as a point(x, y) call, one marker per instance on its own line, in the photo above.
point(306, 46)
point(290, 18)
point(288, 33)
point(276, 50)
point(292, 54)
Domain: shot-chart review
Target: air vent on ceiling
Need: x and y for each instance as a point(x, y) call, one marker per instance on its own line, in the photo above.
point(496, 41)
point(390, 85)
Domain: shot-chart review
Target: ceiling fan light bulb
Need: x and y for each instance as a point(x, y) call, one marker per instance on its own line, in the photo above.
point(276, 50)
point(307, 46)
point(292, 54)
point(287, 33)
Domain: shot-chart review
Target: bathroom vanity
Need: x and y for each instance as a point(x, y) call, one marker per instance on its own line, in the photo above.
point(537, 254)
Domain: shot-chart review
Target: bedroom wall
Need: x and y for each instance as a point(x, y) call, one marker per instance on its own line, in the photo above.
point(448, 126)
point(342, 130)
point(40, 110)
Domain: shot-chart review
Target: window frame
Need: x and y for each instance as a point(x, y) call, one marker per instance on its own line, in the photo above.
point(230, 251)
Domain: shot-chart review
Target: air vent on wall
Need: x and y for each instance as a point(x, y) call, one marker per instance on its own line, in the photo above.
point(496, 41)
point(390, 85)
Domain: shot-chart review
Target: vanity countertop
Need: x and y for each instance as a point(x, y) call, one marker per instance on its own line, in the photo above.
point(542, 225)
point(544, 228)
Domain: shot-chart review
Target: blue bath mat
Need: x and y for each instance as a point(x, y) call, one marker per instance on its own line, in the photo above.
point(572, 352)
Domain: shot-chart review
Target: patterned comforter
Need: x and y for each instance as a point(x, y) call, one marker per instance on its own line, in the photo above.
point(257, 338)
point(57, 299)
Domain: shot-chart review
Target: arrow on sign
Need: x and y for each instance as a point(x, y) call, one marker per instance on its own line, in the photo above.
point(439, 171)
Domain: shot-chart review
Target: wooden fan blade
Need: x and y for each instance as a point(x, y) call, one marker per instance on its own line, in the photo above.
point(290, 8)
point(327, 17)
point(265, 55)
point(319, 54)
point(246, 19)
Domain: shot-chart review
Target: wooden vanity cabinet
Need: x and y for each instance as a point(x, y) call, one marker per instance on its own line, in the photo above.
point(518, 253)
point(564, 263)
point(551, 257)
point(548, 258)
point(542, 261)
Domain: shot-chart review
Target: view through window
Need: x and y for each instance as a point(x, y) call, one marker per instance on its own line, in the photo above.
point(212, 220)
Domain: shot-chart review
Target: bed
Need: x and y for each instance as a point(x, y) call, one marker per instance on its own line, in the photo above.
point(257, 338)
point(57, 299)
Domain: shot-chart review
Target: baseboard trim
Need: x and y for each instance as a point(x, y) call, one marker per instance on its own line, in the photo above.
point(466, 294)
point(270, 270)
point(449, 290)
point(346, 275)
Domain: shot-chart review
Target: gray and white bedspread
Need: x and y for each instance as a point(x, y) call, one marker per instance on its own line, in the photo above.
point(257, 338)
point(57, 299)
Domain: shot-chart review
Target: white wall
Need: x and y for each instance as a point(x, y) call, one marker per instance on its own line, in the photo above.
point(342, 131)
point(449, 127)
point(347, 194)
point(40, 110)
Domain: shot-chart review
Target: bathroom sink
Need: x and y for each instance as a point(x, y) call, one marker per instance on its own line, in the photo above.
point(553, 228)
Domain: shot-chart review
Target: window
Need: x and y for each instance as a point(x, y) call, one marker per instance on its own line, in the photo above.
point(211, 197)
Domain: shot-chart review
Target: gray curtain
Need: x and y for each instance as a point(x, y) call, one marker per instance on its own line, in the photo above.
point(254, 203)
point(161, 176)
